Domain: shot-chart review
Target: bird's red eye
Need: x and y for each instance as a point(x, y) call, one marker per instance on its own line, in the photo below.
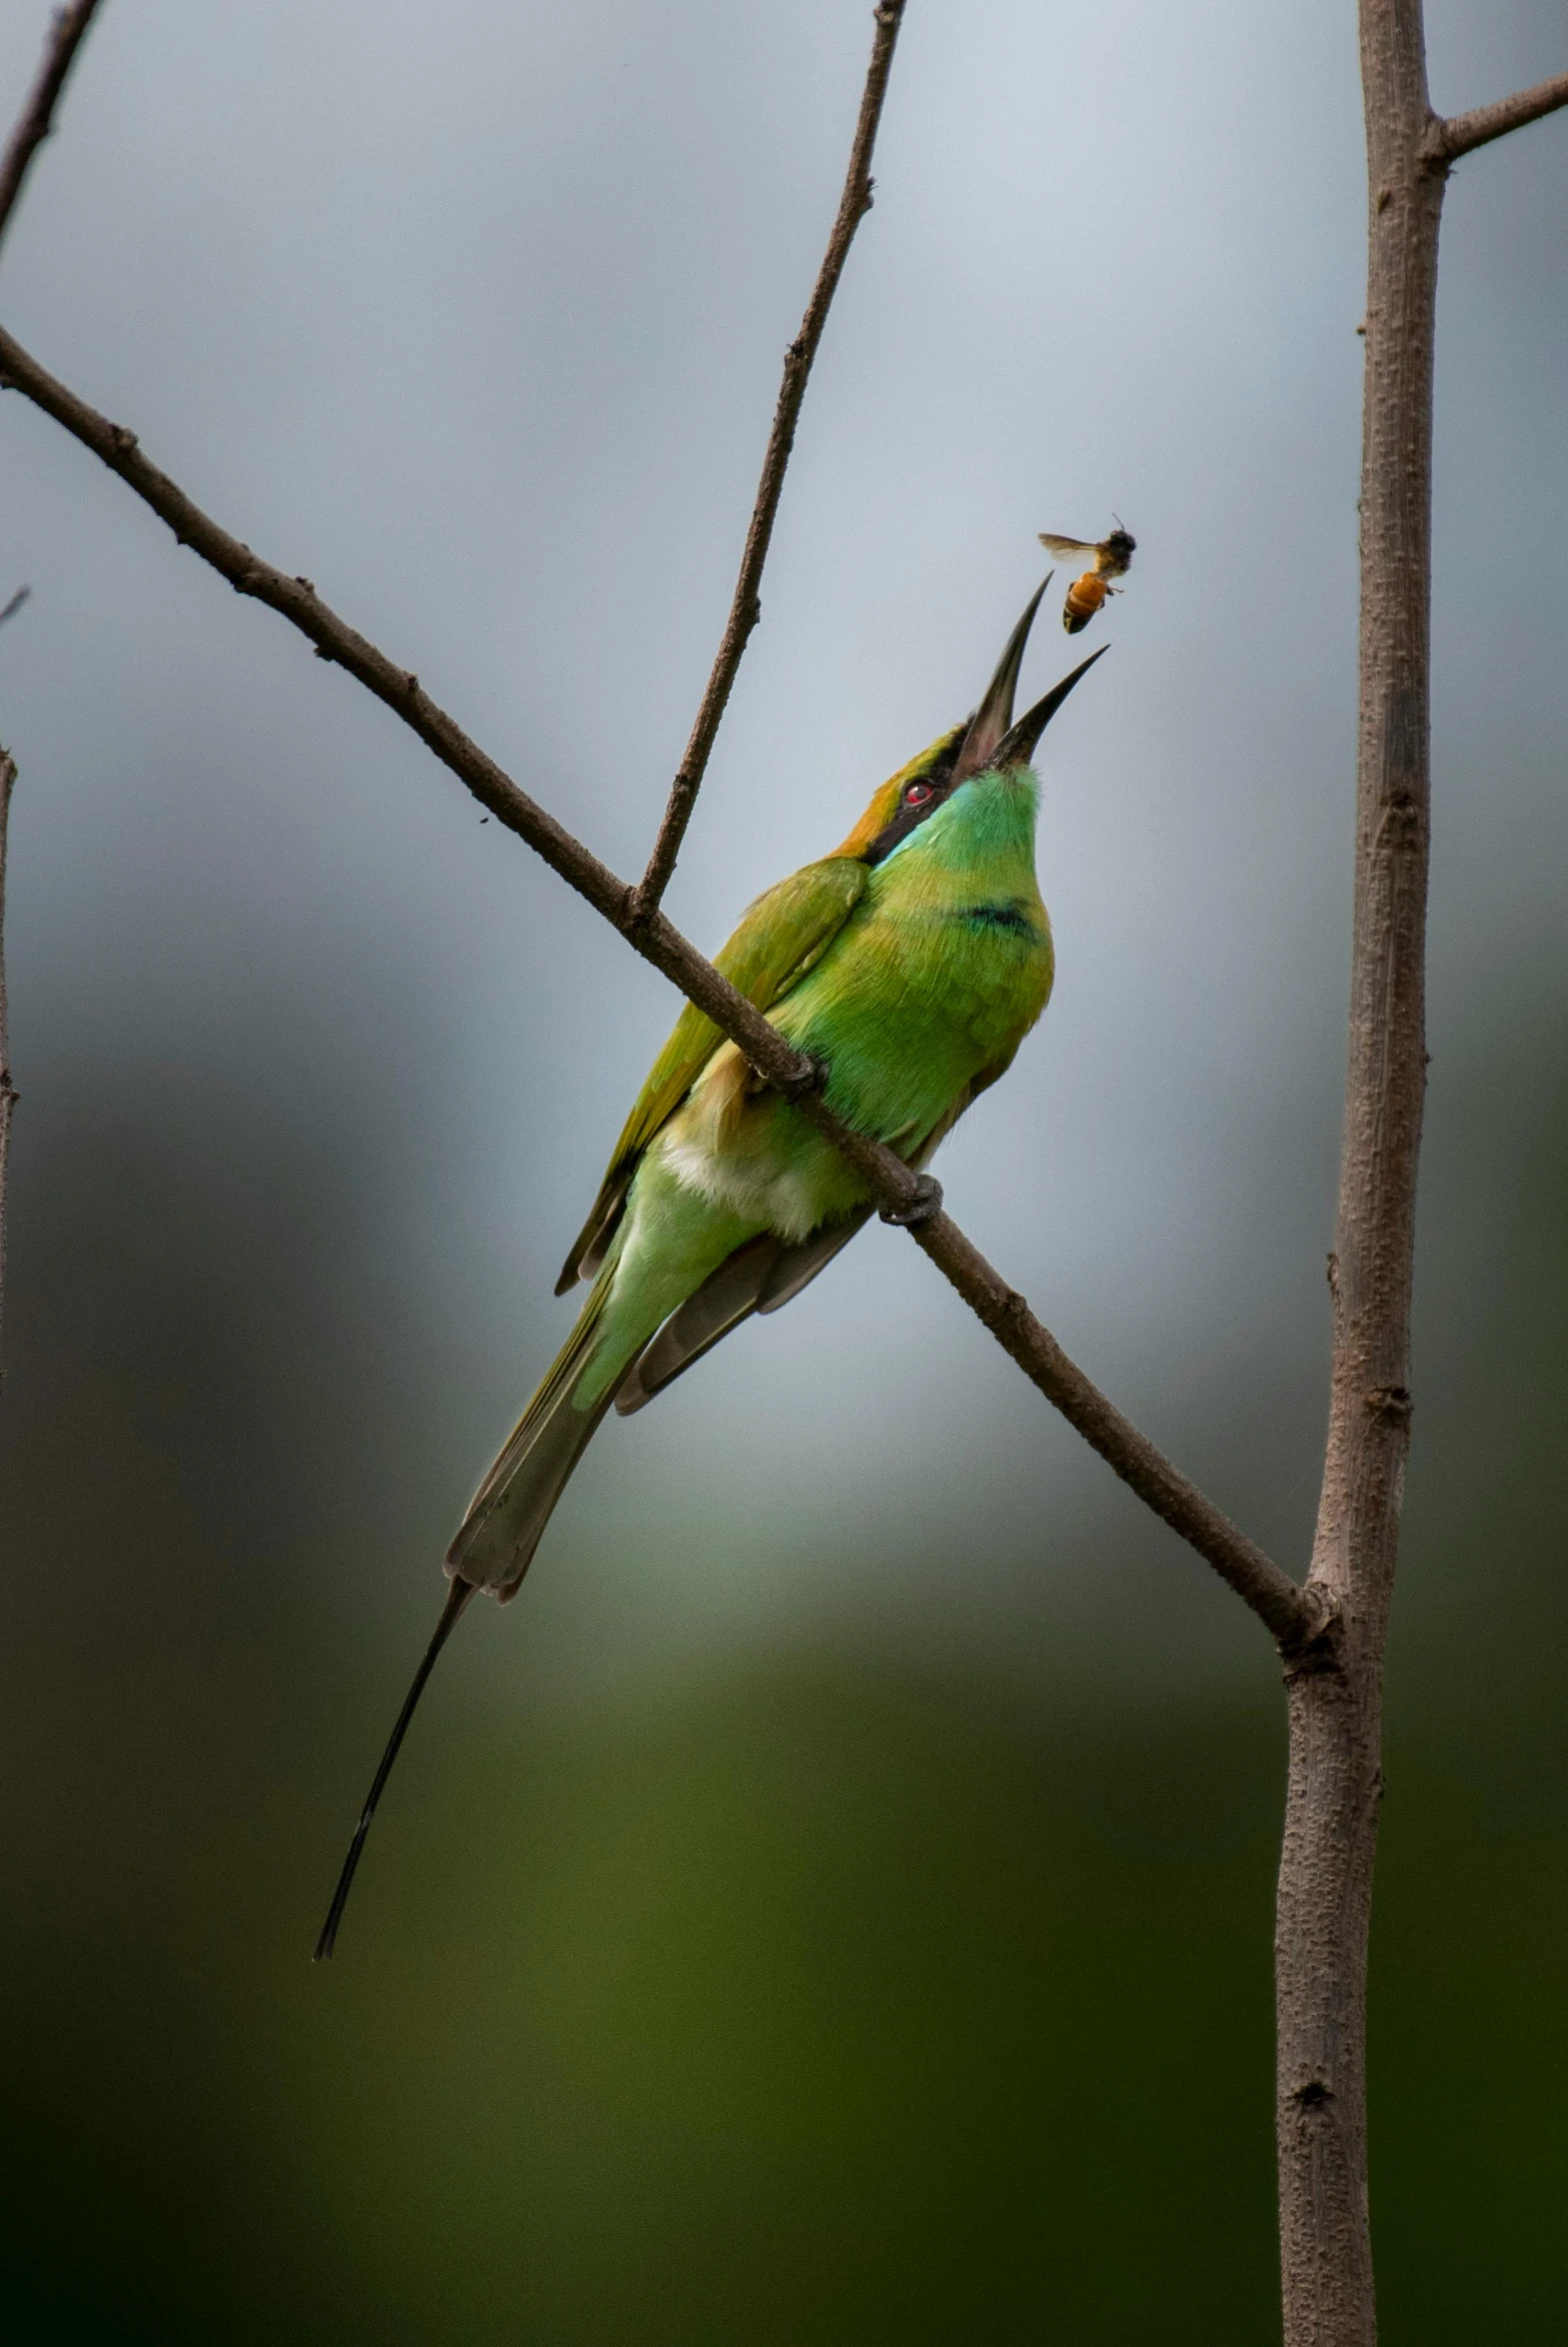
point(918, 793)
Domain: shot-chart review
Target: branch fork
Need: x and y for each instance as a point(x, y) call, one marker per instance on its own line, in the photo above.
point(1445, 140)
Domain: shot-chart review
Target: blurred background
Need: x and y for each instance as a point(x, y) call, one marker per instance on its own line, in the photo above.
point(834, 1902)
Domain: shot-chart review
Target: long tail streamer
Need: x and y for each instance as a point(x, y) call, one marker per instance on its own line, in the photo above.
point(451, 1614)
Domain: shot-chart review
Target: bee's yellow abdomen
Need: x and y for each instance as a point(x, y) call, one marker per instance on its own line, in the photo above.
point(1084, 598)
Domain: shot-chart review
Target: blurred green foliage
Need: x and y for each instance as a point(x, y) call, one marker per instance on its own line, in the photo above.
point(793, 1995)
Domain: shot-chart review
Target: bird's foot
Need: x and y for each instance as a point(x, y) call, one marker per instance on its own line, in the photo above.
point(810, 1075)
point(924, 1206)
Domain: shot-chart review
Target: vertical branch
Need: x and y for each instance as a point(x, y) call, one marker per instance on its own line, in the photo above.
point(7, 1088)
point(67, 30)
point(745, 607)
point(1334, 1704)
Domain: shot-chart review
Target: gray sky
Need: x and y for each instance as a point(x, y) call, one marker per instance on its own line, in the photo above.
point(474, 315)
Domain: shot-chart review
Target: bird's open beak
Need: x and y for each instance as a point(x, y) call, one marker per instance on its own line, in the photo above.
point(993, 739)
point(994, 714)
point(1016, 746)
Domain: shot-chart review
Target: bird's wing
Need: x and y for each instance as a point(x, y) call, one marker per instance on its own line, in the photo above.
point(727, 1297)
point(765, 1275)
point(783, 936)
point(762, 1276)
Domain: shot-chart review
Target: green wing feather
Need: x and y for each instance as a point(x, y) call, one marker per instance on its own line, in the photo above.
point(781, 937)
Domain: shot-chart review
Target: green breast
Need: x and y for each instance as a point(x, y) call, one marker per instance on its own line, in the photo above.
point(941, 969)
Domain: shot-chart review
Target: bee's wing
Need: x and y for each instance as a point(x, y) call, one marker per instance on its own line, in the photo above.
point(1062, 546)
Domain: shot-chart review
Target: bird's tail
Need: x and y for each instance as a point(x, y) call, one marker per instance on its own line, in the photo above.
point(495, 1544)
point(497, 1538)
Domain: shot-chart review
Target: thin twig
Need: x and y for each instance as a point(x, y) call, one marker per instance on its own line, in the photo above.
point(1294, 1615)
point(1461, 133)
point(7, 1088)
point(746, 610)
point(33, 125)
point(36, 119)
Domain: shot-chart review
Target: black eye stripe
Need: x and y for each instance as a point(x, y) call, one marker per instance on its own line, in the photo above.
point(912, 814)
point(919, 798)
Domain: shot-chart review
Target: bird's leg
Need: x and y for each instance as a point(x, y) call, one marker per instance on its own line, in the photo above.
point(921, 1207)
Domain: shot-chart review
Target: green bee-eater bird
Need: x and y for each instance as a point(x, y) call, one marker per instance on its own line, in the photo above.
point(910, 963)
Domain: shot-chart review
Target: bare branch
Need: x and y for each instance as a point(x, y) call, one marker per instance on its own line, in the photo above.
point(746, 610)
point(1444, 141)
point(14, 606)
point(1294, 1615)
point(1298, 1619)
point(36, 119)
point(1335, 1711)
point(7, 1088)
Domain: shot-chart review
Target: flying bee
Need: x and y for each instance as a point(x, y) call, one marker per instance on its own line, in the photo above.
point(1108, 559)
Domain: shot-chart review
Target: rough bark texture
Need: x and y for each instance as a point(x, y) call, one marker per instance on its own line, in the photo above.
point(1462, 133)
point(1325, 1884)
